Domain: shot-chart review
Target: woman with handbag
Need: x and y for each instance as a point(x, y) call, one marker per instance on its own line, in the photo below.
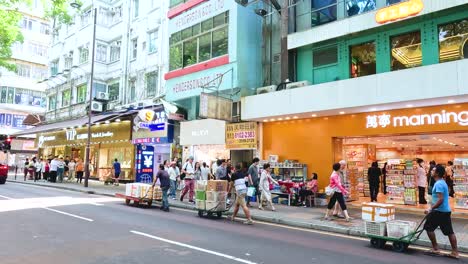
point(264, 186)
point(337, 192)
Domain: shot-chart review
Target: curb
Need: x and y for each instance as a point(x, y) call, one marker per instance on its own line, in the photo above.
point(314, 226)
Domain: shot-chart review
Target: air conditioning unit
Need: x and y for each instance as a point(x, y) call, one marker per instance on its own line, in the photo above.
point(297, 84)
point(97, 106)
point(141, 104)
point(266, 89)
point(102, 96)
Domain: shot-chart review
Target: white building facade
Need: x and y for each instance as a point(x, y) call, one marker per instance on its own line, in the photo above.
point(129, 57)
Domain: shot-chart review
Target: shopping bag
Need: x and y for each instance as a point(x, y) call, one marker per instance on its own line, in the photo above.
point(251, 191)
point(329, 191)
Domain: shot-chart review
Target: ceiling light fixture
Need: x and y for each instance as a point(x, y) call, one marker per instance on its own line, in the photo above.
point(272, 119)
point(409, 105)
point(295, 117)
point(265, 120)
point(451, 101)
point(287, 118)
point(314, 115)
point(342, 113)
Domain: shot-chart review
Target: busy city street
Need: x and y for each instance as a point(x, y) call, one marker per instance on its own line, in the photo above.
point(100, 229)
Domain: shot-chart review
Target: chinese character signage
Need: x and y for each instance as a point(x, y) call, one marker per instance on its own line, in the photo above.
point(144, 164)
point(152, 126)
point(241, 136)
point(399, 11)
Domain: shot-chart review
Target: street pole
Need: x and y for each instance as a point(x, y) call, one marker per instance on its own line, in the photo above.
point(284, 41)
point(88, 139)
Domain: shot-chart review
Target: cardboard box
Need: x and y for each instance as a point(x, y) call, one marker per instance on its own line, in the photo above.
point(399, 229)
point(216, 196)
point(200, 204)
point(200, 195)
point(138, 190)
point(217, 186)
point(377, 212)
point(200, 185)
point(157, 193)
point(215, 206)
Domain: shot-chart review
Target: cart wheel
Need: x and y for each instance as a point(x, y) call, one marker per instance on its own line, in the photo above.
point(200, 213)
point(127, 201)
point(400, 246)
point(210, 214)
point(378, 243)
point(150, 202)
point(219, 214)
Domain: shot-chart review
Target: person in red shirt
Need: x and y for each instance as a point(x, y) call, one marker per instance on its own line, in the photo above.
point(310, 188)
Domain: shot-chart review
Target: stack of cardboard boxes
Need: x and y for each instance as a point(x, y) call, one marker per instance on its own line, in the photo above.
point(139, 190)
point(211, 195)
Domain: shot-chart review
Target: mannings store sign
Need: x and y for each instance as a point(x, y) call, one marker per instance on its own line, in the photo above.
point(443, 117)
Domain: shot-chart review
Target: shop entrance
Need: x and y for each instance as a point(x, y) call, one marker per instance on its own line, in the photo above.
point(398, 153)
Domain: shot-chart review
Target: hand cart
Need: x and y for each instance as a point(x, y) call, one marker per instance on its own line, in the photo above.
point(137, 200)
point(218, 209)
point(399, 244)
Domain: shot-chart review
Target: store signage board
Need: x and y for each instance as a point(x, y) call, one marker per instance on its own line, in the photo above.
point(150, 126)
point(144, 164)
point(386, 120)
point(399, 11)
point(241, 136)
point(203, 132)
point(43, 139)
point(155, 140)
point(71, 135)
point(217, 107)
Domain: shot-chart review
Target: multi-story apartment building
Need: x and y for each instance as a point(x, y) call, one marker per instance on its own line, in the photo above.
point(130, 57)
point(20, 93)
point(379, 79)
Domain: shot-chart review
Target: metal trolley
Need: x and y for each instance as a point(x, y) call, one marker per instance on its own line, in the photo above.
point(399, 244)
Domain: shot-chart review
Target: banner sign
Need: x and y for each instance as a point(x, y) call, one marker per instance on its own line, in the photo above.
point(144, 164)
point(241, 136)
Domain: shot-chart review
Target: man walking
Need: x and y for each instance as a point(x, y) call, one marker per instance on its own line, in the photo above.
point(189, 171)
point(439, 215)
point(173, 179)
point(163, 177)
point(53, 170)
point(253, 178)
point(117, 170)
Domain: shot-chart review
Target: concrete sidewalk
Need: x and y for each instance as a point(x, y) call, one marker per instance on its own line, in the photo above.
point(311, 218)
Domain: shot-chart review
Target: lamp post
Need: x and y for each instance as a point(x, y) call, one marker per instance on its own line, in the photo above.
point(77, 5)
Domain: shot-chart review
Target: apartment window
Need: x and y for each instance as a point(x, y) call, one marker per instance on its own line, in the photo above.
point(104, 16)
point(323, 11)
point(45, 29)
point(134, 48)
point(54, 67)
point(362, 60)
point(81, 93)
point(113, 90)
point(85, 18)
point(136, 8)
point(66, 97)
point(152, 41)
point(69, 60)
point(52, 102)
point(132, 86)
point(176, 2)
point(453, 41)
point(116, 14)
point(27, 23)
point(38, 73)
point(406, 51)
point(84, 54)
point(201, 42)
point(151, 83)
point(101, 52)
point(325, 56)
point(115, 51)
point(356, 7)
point(99, 88)
point(37, 49)
point(23, 70)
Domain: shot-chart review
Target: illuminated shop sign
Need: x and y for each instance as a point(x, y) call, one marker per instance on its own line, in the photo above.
point(399, 11)
point(443, 117)
point(144, 162)
point(71, 134)
point(150, 120)
point(43, 139)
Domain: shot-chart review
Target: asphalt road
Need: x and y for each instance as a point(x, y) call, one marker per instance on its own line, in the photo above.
point(43, 225)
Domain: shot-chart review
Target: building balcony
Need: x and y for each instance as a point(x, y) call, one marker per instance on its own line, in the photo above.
point(436, 84)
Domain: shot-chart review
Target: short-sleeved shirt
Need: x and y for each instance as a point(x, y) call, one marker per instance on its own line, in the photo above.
point(239, 182)
point(253, 172)
point(189, 169)
point(441, 187)
point(221, 173)
point(163, 177)
point(117, 168)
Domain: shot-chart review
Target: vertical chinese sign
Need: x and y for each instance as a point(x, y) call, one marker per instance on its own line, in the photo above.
point(144, 164)
point(241, 136)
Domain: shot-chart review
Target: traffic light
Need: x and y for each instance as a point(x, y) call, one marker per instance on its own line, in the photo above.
point(5, 143)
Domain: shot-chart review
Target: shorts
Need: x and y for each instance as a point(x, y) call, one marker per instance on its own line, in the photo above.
point(439, 219)
point(117, 174)
point(240, 199)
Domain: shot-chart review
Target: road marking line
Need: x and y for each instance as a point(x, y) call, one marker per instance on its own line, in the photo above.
point(193, 247)
point(8, 198)
point(72, 215)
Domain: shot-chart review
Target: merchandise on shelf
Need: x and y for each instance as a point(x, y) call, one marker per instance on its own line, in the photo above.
point(287, 170)
point(410, 183)
point(460, 179)
point(401, 182)
point(359, 158)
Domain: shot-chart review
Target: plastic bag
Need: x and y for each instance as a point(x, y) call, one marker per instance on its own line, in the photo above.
point(251, 191)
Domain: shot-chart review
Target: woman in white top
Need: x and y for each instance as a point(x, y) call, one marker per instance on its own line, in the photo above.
point(38, 167)
point(264, 187)
point(205, 171)
point(71, 170)
point(422, 181)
